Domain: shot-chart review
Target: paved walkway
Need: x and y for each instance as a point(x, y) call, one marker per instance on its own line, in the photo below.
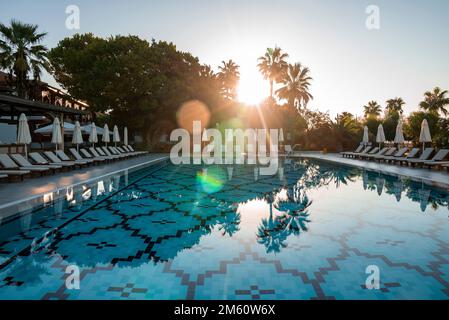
point(11, 193)
point(430, 177)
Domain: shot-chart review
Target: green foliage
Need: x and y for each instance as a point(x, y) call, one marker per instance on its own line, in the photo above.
point(438, 128)
point(272, 65)
point(389, 124)
point(435, 101)
point(229, 77)
point(21, 53)
point(372, 109)
point(295, 89)
point(394, 106)
point(138, 83)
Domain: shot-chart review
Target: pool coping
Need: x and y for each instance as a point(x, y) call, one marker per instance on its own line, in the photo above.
point(9, 205)
point(388, 169)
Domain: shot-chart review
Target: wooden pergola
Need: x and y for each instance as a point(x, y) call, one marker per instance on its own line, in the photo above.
point(12, 106)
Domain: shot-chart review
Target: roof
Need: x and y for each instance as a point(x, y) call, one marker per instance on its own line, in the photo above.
point(32, 107)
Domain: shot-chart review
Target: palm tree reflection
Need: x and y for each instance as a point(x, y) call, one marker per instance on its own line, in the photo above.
point(273, 232)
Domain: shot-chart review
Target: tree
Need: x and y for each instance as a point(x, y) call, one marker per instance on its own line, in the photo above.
point(296, 82)
point(372, 109)
point(21, 53)
point(412, 127)
point(140, 84)
point(272, 65)
point(435, 101)
point(395, 106)
point(229, 76)
point(347, 131)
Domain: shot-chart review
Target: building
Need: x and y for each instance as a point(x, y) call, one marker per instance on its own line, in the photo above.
point(42, 103)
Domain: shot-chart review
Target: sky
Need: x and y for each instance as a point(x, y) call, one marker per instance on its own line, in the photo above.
point(350, 64)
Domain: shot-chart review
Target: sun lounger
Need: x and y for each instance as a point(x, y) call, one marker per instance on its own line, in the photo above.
point(96, 153)
point(369, 154)
point(87, 155)
point(437, 160)
point(388, 153)
point(15, 173)
point(411, 155)
point(113, 151)
point(39, 159)
point(101, 152)
point(424, 157)
point(123, 151)
point(344, 154)
point(77, 156)
point(398, 154)
point(132, 150)
point(373, 154)
point(26, 164)
point(61, 154)
point(54, 159)
point(9, 164)
point(108, 153)
point(354, 154)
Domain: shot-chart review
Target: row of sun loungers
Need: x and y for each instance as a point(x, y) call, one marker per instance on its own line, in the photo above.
point(48, 162)
point(403, 156)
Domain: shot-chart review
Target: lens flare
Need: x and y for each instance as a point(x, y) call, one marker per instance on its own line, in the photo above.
point(191, 111)
point(211, 180)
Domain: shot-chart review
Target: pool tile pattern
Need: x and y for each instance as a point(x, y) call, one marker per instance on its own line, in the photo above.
point(307, 234)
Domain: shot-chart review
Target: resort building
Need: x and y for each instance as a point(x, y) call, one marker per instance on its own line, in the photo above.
point(41, 104)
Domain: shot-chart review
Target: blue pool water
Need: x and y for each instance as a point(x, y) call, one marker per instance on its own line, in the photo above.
point(191, 232)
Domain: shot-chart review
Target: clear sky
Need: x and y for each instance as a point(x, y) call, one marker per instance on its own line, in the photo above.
point(350, 64)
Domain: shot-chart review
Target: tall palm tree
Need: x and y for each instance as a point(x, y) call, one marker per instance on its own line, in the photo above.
point(229, 76)
point(296, 82)
point(435, 101)
point(372, 109)
point(272, 65)
point(21, 52)
point(395, 106)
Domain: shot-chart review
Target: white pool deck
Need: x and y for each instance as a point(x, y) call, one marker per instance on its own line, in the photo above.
point(15, 192)
point(430, 177)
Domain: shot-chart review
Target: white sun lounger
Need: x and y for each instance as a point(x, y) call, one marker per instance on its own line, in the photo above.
point(54, 159)
point(25, 163)
point(424, 157)
point(8, 163)
point(96, 153)
point(104, 154)
point(87, 155)
point(77, 156)
point(61, 154)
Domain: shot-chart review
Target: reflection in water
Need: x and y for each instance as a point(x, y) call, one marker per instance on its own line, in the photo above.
point(273, 231)
point(398, 187)
point(380, 182)
point(230, 224)
point(166, 213)
point(230, 171)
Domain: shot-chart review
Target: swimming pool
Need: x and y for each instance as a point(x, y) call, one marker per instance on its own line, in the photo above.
point(219, 232)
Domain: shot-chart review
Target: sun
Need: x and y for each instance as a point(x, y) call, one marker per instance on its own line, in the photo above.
point(252, 89)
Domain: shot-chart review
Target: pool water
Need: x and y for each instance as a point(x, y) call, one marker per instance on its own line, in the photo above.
point(190, 232)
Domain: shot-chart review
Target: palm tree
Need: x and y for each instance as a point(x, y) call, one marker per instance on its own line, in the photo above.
point(372, 109)
point(22, 53)
point(207, 72)
point(435, 101)
point(229, 76)
point(395, 106)
point(296, 82)
point(272, 65)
